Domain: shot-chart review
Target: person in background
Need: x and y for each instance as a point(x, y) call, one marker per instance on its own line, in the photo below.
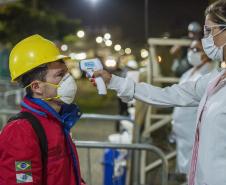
point(184, 119)
point(180, 62)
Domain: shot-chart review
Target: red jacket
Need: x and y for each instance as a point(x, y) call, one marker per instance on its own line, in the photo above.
point(20, 157)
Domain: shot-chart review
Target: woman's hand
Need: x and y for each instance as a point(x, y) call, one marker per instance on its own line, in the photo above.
point(104, 74)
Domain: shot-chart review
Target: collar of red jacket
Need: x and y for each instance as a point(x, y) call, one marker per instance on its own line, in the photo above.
point(68, 115)
point(38, 106)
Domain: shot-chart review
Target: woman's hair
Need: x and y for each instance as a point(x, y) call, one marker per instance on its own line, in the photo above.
point(217, 12)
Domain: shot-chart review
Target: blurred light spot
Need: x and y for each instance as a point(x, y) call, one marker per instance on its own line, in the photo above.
point(108, 43)
point(117, 47)
point(78, 56)
point(144, 53)
point(64, 47)
point(110, 63)
point(80, 33)
point(159, 59)
point(99, 40)
point(128, 51)
point(107, 36)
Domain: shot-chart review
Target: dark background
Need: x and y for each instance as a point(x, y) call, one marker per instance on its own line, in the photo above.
point(170, 16)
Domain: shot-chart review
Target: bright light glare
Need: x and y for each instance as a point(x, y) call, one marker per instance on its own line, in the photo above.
point(108, 43)
point(99, 40)
point(110, 63)
point(159, 59)
point(117, 47)
point(73, 56)
point(128, 51)
point(93, 1)
point(144, 53)
point(80, 33)
point(107, 36)
point(78, 56)
point(64, 47)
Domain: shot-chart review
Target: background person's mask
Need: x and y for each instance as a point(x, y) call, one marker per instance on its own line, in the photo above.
point(194, 58)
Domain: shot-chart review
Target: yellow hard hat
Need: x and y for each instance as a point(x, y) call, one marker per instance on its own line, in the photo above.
point(30, 53)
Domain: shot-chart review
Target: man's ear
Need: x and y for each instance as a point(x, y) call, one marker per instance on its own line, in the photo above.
point(36, 87)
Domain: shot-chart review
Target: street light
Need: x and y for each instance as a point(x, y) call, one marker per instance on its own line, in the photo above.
point(99, 40)
point(117, 47)
point(64, 47)
point(93, 1)
point(80, 33)
point(108, 43)
point(144, 53)
point(110, 63)
point(128, 51)
point(107, 36)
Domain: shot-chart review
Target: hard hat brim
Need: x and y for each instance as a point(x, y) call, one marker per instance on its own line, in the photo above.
point(59, 57)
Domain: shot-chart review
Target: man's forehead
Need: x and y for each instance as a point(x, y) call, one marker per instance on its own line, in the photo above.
point(57, 65)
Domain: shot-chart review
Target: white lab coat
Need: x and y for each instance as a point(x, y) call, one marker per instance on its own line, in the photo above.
point(211, 161)
point(184, 121)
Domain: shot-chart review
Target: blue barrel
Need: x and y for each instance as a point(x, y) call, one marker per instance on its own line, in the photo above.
point(114, 173)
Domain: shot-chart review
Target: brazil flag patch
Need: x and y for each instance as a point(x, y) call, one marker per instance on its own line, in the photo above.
point(22, 165)
point(24, 177)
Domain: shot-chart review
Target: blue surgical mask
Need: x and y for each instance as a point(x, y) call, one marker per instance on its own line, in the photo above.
point(211, 50)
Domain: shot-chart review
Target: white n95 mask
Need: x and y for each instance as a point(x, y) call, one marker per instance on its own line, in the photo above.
point(194, 58)
point(66, 89)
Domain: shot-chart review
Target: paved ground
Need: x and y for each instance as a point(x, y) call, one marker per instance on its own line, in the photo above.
point(99, 131)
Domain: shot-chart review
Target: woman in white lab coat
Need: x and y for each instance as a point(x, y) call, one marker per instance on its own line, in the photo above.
point(208, 161)
point(184, 118)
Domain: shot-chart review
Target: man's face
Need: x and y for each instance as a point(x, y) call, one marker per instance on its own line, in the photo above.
point(56, 71)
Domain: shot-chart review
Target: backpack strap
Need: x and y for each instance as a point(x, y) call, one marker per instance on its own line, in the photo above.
point(39, 130)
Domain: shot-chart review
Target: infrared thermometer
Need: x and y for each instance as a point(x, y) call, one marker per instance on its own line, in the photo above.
point(91, 65)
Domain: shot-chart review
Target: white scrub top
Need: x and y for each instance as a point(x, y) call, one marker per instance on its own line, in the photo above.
point(184, 121)
point(211, 156)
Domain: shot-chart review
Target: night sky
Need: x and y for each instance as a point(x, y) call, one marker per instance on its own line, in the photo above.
point(170, 16)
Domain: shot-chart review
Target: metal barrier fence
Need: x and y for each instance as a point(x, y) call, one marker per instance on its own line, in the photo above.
point(141, 147)
point(136, 139)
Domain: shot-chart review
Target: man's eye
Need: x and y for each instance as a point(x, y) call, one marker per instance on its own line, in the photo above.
point(60, 74)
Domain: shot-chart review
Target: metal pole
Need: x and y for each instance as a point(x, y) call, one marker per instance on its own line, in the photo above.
point(151, 148)
point(89, 167)
point(146, 19)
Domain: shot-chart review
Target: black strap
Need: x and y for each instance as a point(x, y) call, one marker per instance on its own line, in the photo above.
point(36, 125)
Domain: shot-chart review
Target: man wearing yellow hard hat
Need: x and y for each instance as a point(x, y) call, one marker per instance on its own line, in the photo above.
point(35, 146)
